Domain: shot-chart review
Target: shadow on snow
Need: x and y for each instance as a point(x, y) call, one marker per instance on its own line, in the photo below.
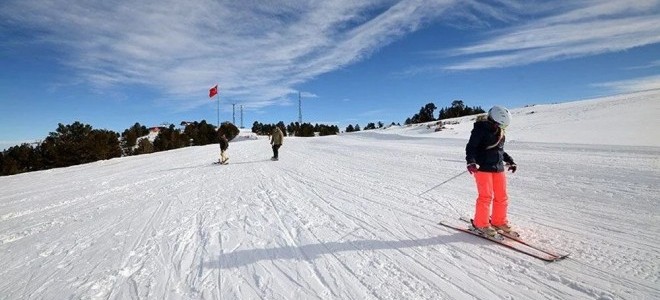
point(310, 252)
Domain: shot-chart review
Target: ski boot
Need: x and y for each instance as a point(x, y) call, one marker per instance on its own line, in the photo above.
point(488, 231)
point(505, 229)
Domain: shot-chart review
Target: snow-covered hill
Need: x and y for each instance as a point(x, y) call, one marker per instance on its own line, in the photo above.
point(630, 119)
point(341, 217)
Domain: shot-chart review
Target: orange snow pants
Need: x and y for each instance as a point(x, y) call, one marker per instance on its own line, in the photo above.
point(491, 187)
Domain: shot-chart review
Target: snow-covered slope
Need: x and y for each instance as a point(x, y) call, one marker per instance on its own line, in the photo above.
point(246, 134)
point(341, 217)
point(630, 119)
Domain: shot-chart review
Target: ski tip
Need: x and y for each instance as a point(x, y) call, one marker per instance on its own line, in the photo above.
point(557, 258)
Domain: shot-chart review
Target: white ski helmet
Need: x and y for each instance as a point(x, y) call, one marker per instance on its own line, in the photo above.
point(500, 115)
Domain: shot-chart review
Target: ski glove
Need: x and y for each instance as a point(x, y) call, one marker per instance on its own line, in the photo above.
point(472, 168)
point(513, 168)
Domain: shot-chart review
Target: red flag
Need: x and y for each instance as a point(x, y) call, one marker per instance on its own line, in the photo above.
point(213, 91)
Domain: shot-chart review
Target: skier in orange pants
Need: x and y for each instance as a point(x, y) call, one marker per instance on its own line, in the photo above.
point(485, 158)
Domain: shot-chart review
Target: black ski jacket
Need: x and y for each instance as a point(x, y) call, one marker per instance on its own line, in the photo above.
point(486, 148)
point(224, 143)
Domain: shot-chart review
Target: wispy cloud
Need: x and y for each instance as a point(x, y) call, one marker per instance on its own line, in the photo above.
point(632, 85)
point(567, 30)
point(653, 64)
point(257, 51)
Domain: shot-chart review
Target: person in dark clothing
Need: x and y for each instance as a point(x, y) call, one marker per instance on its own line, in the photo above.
point(485, 158)
point(276, 140)
point(224, 144)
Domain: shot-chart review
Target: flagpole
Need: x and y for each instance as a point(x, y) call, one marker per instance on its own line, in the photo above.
point(218, 95)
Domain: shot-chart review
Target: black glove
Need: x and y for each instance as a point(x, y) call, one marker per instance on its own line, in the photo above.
point(472, 168)
point(512, 167)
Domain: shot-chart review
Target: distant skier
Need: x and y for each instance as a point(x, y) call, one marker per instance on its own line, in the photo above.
point(276, 139)
point(224, 144)
point(485, 158)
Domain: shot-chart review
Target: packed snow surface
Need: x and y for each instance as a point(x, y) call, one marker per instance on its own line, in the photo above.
point(352, 216)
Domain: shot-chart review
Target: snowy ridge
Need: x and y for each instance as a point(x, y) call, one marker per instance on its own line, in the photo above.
point(245, 135)
point(629, 119)
point(340, 217)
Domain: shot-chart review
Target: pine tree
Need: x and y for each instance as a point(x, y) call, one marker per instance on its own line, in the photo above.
point(230, 130)
point(144, 146)
point(258, 128)
point(426, 113)
point(129, 138)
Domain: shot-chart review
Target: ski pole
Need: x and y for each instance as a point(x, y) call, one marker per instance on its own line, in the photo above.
point(448, 180)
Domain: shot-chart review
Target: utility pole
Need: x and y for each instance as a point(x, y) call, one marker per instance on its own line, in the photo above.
point(242, 116)
point(233, 113)
point(299, 109)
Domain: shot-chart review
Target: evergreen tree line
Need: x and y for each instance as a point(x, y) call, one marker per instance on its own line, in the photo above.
point(69, 145)
point(79, 143)
point(457, 109)
point(426, 114)
point(168, 138)
point(267, 129)
point(370, 126)
point(296, 129)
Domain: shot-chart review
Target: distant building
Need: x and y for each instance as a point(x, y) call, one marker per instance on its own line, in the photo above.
point(156, 129)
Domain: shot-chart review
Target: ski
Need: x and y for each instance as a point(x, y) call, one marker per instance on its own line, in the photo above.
point(507, 242)
point(516, 237)
point(520, 240)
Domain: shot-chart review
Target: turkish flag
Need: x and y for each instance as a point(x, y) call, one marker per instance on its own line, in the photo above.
point(213, 91)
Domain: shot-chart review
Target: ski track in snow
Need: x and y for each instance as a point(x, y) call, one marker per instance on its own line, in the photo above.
point(329, 223)
point(339, 217)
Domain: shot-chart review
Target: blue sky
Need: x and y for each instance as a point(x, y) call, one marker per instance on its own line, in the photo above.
point(110, 64)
